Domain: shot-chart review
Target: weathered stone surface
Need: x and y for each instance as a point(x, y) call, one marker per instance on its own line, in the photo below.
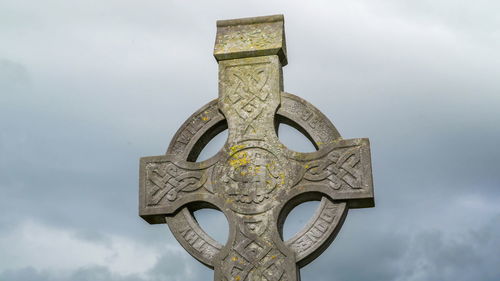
point(250, 37)
point(255, 180)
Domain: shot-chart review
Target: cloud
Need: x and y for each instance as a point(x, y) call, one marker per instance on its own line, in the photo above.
point(96, 273)
point(418, 252)
point(437, 256)
point(43, 247)
point(33, 251)
point(13, 75)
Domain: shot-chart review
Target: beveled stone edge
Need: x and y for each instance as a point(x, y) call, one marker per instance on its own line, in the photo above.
point(251, 20)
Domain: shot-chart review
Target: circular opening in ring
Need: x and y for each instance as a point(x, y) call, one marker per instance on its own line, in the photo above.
point(214, 223)
point(209, 143)
point(298, 218)
point(297, 214)
point(293, 136)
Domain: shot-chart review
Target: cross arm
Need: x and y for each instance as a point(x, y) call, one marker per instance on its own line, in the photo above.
point(166, 184)
point(342, 170)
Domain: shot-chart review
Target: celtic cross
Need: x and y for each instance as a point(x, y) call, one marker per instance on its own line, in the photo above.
point(255, 180)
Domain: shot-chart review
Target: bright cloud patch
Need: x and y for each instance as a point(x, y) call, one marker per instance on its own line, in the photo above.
point(42, 247)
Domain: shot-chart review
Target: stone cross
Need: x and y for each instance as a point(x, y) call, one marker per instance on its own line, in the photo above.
point(255, 180)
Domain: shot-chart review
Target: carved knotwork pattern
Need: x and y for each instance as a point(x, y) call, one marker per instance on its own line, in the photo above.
point(248, 93)
point(166, 180)
point(341, 168)
point(254, 255)
point(268, 268)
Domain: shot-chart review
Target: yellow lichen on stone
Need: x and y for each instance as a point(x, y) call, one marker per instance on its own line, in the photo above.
point(237, 147)
point(239, 159)
point(257, 169)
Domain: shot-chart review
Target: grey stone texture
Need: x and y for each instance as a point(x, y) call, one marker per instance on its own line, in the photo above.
point(255, 180)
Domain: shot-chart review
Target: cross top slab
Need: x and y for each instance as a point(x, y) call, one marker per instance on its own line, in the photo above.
point(255, 180)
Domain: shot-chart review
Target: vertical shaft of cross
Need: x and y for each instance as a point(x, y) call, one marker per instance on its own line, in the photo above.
point(251, 53)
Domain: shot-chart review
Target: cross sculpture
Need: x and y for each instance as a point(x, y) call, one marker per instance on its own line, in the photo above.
point(255, 180)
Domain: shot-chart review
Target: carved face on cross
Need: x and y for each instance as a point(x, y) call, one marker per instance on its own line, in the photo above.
point(255, 180)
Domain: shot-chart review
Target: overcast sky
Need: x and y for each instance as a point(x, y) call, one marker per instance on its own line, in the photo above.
point(88, 87)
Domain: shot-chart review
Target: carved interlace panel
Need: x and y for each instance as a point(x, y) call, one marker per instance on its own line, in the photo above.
point(249, 95)
point(166, 180)
point(340, 168)
point(254, 255)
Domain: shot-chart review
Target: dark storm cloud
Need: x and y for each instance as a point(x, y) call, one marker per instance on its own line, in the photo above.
point(428, 255)
point(85, 90)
